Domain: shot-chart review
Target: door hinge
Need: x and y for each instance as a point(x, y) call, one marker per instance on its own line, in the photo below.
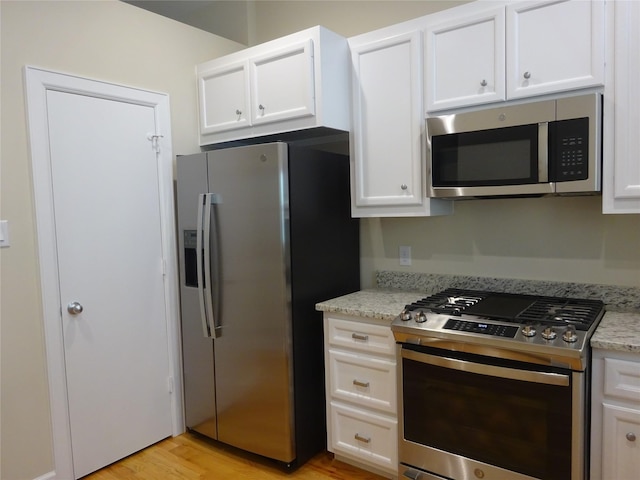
point(163, 267)
point(155, 141)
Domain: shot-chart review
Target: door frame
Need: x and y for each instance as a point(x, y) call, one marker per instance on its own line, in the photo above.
point(37, 82)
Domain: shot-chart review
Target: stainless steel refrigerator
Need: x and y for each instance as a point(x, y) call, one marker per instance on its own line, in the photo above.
point(265, 233)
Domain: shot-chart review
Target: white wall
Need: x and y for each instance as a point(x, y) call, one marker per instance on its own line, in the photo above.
point(275, 18)
point(106, 40)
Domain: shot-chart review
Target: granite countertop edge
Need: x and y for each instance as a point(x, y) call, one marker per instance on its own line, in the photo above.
point(618, 331)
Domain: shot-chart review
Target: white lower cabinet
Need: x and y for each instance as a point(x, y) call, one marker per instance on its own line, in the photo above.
point(615, 429)
point(360, 365)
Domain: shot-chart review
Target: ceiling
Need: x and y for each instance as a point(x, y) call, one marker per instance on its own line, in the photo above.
point(211, 16)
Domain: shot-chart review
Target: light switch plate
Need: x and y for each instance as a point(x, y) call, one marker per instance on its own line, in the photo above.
point(4, 233)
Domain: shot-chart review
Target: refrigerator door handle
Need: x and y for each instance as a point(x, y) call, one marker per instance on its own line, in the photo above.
point(203, 260)
point(202, 289)
point(215, 283)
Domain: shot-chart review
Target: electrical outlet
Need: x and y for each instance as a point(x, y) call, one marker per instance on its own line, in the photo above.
point(405, 255)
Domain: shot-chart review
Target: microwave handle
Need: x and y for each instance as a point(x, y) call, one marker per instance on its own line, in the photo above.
point(484, 369)
point(543, 152)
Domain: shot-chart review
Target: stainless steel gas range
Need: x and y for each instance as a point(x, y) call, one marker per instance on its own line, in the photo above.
point(494, 386)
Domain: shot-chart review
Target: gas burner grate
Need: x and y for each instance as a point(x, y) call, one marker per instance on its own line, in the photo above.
point(450, 301)
point(580, 313)
point(515, 308)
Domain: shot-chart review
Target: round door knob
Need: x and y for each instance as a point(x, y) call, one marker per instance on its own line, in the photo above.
point(483, 83)
point(74, 308)
point(404, 186)
point(631, 436)
point(527, 75)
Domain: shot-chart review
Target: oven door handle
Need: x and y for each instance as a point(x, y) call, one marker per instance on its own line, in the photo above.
point(491, 370)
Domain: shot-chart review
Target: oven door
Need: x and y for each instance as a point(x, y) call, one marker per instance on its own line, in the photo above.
point(466, 416)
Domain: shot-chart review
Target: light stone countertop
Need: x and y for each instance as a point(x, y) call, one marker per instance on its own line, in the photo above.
point(618, 332)
point(375, 303)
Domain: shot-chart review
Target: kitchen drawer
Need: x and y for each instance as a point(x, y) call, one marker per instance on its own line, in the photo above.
point(622, 379)
point(365, 436)
point(368, 381)
point(365, 337)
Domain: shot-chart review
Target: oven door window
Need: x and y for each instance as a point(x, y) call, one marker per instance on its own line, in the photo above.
point(503, 156)
point(518, 425)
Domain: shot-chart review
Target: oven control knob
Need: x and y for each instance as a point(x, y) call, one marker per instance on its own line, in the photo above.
point(528, 331)
point(421, 317)
point(569, 335)
point(548, 333)
point(405, 315)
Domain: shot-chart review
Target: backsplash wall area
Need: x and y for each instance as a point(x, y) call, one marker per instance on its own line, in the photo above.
point(564, 239)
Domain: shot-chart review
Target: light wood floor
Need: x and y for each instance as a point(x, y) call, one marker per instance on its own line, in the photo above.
point(190, 456)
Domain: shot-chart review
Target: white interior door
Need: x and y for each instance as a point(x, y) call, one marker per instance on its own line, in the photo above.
point(109, 242)
point(106, 219)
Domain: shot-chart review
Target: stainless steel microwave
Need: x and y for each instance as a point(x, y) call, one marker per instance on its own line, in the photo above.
point(549, 147)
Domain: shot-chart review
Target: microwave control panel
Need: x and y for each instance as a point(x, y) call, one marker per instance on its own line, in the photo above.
point(569, 150)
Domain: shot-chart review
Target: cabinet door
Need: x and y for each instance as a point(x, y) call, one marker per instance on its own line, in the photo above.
point(554, 46)
point(282, 84)
point(621, 177)
point(465, 61)
point(621, 442)
point(387, 121)
point(224, 98)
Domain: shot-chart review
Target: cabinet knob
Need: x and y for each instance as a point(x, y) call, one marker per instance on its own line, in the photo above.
point(527, 75)
point(238, 112)
point(483, 83)
point(631, 436)
point(261, 107)
point(404, 186)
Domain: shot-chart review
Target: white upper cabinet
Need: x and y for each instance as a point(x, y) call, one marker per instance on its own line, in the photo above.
point(282, 84)
point(296, 82)
point(386, 141)
point(621, 168)
point(226, 93)
point(476, 55)
point(554, 46)
point(465, 60)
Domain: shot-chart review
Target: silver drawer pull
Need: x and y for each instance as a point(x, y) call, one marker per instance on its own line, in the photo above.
point(360, 438)
point(630, 436)
point(358, 383)
point(358, 336)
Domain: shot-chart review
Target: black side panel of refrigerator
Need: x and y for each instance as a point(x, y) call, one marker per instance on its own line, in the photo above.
point(325, 263)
